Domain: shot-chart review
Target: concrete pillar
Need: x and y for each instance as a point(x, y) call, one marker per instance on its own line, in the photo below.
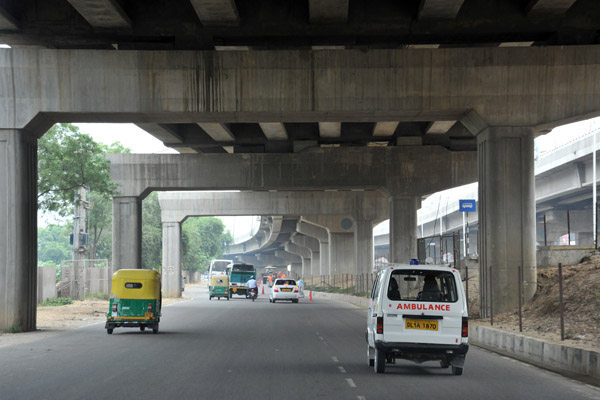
point(313, 246)
point(403, 228)
point(127, 233)
point(506, 215)
point(341, 253)
point(171, 259)
point(302, 252)
point(363, 246)
point(322, 236)
point(18, 230)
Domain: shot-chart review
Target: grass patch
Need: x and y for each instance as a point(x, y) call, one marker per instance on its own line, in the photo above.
point(12, 329)
point(97, 296)
point(59, 301)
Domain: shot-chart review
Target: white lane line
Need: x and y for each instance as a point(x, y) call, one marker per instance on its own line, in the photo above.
point(361, 398)
point(350, 383)
point(342, 370)
point(335, 359)
point(321, 337)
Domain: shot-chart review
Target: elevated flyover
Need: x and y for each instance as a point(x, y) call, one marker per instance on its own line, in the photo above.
point(264, 79)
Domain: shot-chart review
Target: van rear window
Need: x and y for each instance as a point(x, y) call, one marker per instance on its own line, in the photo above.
point(133, 285)
point(422, 285)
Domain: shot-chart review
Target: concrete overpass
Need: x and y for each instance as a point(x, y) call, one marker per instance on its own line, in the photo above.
point(275, 82)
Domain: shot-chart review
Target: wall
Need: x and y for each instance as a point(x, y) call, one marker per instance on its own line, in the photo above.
point(46, 283)
point(550, 256)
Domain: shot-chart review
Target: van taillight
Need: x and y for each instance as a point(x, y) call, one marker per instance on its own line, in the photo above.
point(465, 327)
point(380, 325)
point(149, 308)
point(114, 307)
point(276, 290)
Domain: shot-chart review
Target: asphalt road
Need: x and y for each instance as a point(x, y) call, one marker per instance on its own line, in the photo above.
point(238, 349)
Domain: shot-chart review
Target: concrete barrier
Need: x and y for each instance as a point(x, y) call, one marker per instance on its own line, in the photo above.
point(46, 283)
point(566, 360)
point(550, 256)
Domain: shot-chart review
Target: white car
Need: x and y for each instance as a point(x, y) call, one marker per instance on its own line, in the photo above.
point(284, 289)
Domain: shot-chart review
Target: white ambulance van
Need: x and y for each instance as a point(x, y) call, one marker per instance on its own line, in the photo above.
point(417, 313)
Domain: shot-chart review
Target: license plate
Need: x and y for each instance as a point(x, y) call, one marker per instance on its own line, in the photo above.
point(286, 290)
point(427, 325)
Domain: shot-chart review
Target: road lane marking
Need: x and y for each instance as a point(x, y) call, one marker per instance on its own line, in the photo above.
point(342, 370)
point(361, 398)
point(335, 359)
point(350, 383)
point(320, 337)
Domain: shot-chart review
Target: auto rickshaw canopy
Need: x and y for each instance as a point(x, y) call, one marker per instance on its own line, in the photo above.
point(219, 280)
point(136, 284)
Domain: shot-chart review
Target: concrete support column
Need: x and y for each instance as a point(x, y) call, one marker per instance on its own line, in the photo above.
point(18, 230)
point(171, 259)
point(363, 246)
point(322, 236)
point(506, 215)
point(403, 228)
point(127, 233)
point(303, 252)
point(312, 245)
point(341, 253)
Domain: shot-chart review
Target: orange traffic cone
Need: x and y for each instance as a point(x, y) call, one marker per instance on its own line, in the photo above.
point(263, 290)
point(310, 296)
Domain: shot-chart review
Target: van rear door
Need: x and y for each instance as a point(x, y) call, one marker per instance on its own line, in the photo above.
point(423, 305)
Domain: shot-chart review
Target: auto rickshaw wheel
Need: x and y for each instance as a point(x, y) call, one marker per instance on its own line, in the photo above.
point(155, 328)
point(109, 331)
point(142, 328)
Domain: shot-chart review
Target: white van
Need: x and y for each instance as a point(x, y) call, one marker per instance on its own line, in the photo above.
point(418, 313)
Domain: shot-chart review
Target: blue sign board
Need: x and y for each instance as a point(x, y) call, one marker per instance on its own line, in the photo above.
point(467, 205)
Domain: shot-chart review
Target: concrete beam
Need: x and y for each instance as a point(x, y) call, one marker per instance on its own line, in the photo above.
point(274, 130)
point(330, 129)
point(503, 85)
point(216, 13)
point(385, 128)
point(218, 132)
point(399, 170)
point(290, 258)
point(439, 127)
point(439, 9)
point(328, 11)
point(103, 14)
point(7, 21)
point(176, 206)
point(166, 135)
point(548, 7)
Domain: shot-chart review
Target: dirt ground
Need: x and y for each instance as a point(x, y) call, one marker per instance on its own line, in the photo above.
point(541, 317)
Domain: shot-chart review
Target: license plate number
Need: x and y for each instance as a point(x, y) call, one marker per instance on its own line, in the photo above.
point(426, 325)
point(286, 290)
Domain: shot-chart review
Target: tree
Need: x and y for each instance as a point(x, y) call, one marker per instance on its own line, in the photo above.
point(67, 160)
point(53, 244)
point(204, 239)
point(151, 232)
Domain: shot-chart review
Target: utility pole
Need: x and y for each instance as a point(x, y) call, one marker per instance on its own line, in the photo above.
point(79, 241)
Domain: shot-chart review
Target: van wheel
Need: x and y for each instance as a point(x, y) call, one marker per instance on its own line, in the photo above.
point(379, 362)
point(210, 297)
point(142, 328)
point(444, 363)
point(155, 328)
point(457, 370)
point(370, 359)
point(109, 331)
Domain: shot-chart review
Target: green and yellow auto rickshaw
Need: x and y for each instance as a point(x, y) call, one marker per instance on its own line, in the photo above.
point(218, 287)
point(135, 300)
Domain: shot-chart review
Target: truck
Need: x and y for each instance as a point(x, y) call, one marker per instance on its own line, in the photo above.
point(239, 274)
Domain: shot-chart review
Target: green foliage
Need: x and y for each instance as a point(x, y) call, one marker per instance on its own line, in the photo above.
point(203, 240)
point(12, 329)
point(97, 296)
point(53, 244)
point(67, 160)
point(151, 232)
point(57, 301)
point(100, 226)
